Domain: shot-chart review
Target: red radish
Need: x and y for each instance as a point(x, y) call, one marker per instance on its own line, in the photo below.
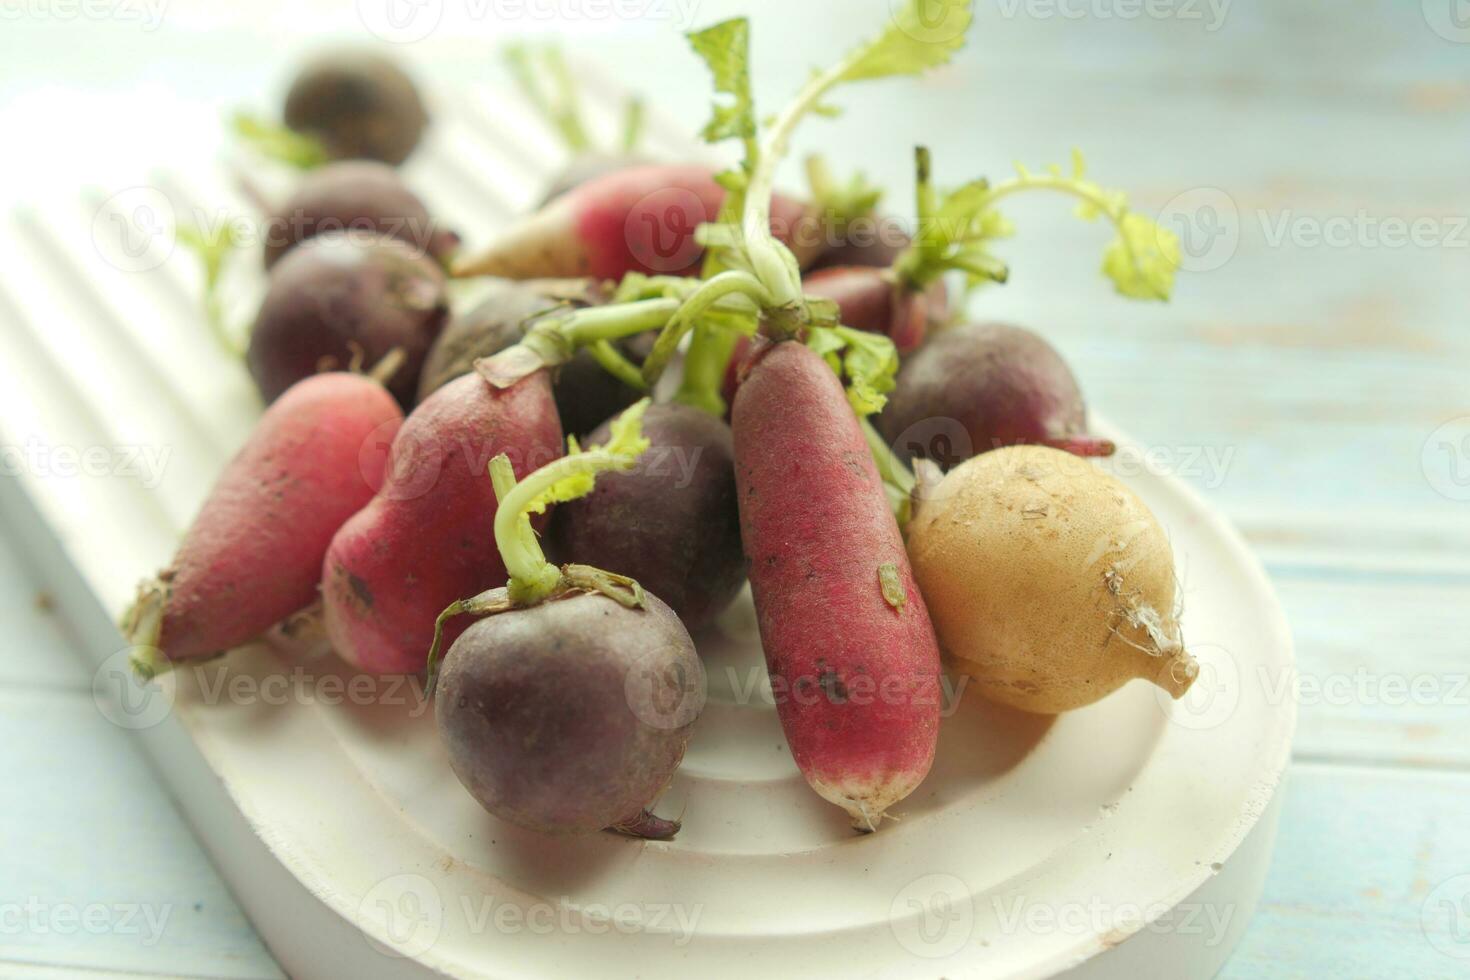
point(875, 300)
point(253, 555)
point(878, 247)
point(733, 370)
point(846, 634)
point(637, 219)
point(427, 538)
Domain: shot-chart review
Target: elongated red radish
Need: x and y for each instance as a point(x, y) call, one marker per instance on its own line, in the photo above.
point(253, 555)
point(637, 219)
point(848, 642)
point(875, 300)
point(427, 538)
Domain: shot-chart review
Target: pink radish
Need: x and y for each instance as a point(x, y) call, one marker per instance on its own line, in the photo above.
point(877, 301)
point(253, 555)
point(426, 540)
point(845, 631)
point(637, 219)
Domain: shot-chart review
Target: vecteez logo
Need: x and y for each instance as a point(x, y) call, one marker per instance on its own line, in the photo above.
point(1207, 224)
point(1450, 19)
point(401, 21)
point(659, 229)
point(135, 229)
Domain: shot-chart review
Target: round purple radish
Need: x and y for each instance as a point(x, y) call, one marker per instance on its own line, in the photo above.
point(570, 716)
point(982, 386)
point(358, 105)
point(672, 522)
point(337, 299)
point(357, 197)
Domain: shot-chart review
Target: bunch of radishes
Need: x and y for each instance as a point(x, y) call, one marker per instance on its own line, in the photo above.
point(567, 692)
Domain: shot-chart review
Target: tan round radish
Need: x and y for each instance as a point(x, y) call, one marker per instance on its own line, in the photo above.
point(1049, 582)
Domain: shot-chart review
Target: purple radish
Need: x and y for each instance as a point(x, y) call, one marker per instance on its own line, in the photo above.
point(338, 298)
point(568, 709)
point(982, 386)
point(672, 522)
point(355, 196)
point(357, 104)
point(586, 394)
point(534, 710)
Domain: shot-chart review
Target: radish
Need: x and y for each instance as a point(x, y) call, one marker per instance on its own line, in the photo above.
point(568, 709)
point(984, 385)
point(845, 630)
point(586, 393)
point(877, 301)
point(358, 196)
point(253, 555)
point(359, 104)
point(344, 104)
point(337, 298)
point(859, 236)
point(638, 219)
point(811, 500)
point(425, 539)
point(671, 522)
point(1050, 582)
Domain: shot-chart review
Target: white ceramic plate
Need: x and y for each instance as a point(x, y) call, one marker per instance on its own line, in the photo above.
point(1126, 839)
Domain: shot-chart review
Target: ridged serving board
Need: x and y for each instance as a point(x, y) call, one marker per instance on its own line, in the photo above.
point(1128, 839)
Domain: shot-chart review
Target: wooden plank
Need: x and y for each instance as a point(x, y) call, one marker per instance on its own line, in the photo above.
point(1383, 670)
point(109, 877)
point(36, 654)
point(1369, 879)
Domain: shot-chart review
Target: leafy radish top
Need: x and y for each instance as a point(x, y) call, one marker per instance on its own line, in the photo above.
point(752, 282)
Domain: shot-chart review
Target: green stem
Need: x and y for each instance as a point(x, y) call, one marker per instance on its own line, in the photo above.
point(704, 369)
point(588, 325)
point(532, 577)
point(563, 113)
point(279, 142)
point(730, 283)
point(919, 264)
point(553, 340)
point(213, 249)
point(615, 364)
point(633, 117)
point(1081, 190)
point(771, 261)
point(898, 479)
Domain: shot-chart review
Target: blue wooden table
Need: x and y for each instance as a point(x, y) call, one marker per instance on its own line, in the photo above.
point(1312, 378)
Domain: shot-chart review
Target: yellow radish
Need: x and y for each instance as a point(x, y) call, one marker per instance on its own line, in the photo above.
point(1049, 582)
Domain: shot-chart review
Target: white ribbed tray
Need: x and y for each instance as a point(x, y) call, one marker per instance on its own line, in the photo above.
point(1129, 839)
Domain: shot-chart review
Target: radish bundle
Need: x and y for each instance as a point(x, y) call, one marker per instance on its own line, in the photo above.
point(568, 693)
